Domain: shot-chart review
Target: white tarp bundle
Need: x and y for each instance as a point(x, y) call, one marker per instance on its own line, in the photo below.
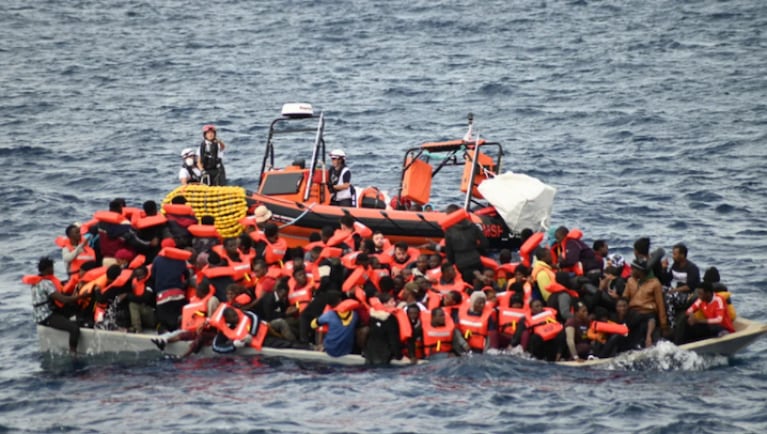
point(522, 201)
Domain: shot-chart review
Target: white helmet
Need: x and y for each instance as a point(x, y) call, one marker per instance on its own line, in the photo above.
point(337, 153)
point(187, 152)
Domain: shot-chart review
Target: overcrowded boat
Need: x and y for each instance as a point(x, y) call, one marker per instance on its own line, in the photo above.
point(296, 269)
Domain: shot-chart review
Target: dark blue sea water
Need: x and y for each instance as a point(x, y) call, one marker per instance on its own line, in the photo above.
point(648, 117)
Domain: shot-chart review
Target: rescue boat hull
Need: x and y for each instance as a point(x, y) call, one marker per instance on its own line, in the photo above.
point(300, 220)
point(120, 345)
point(746, 332)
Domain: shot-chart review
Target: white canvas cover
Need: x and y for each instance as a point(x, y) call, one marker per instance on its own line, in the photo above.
point(521, 200)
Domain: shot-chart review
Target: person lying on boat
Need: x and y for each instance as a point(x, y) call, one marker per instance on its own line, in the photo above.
point(189, 173)
point(210, 157)
point(706, 318)
point(51, 307)
point(342, 191)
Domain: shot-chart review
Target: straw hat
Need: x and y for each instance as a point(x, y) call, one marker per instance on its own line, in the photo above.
point(262, 214)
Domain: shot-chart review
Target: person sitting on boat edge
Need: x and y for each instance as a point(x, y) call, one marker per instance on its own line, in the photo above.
point(211, 157)
point(342, 324)
point(342, 190)
point(706, 318)
point(46, 290)
point(384, 338)
point(189, 173)
point(477, 323)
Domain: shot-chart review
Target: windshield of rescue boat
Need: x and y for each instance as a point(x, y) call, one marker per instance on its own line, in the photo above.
point(293, 143)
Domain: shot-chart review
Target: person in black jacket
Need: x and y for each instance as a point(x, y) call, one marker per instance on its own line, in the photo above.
point(383, 339)
point(464, 244)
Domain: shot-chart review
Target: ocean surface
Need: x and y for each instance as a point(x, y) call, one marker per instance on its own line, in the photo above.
point(649, 118)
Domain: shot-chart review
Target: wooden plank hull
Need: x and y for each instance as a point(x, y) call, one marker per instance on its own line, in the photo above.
point(746, 332)
point(129, 346)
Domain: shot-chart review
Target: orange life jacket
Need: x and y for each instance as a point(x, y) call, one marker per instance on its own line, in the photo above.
point(545, 324)
point(405, 329)
point(237, 265)
point(574, 234)
point(178, 209)
point(148, 222)
point(358, 277)
point(509, 318)
point(245, 326)
point(34, 279)
point(529, 246)
point(204, 231)
point(300, 297)
point(274, 252)
point(175, 253)
point(554, 286)
point(474, 328)
point(86, 255)
point(437, 339)
point(527, 293)
point(195, 313)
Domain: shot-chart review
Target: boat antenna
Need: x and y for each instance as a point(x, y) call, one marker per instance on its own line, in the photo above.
point(318, 141)
point(474, 167)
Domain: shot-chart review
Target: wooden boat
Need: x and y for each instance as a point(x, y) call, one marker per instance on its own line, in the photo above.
point(120, 345)
point(746, 332)
point(298, 194)
point(124, 346)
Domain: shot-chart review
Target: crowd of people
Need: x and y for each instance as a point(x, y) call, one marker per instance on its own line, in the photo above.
point(351, 290)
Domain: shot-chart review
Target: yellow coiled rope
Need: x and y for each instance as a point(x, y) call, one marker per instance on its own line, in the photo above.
point(226, 204)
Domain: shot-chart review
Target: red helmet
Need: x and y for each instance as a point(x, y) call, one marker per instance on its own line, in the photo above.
point(208, 127)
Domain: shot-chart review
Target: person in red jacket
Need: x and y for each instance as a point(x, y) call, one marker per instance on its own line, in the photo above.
point(706, 318)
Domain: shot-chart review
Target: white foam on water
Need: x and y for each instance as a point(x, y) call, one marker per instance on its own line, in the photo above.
point(665, 356)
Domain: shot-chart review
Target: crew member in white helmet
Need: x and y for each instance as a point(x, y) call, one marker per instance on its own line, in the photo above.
point(189, 172)
point(340, 180)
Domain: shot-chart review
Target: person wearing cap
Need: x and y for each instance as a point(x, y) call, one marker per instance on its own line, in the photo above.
point(342, 191)
point(210, 157)
point(189, 173)
point(646, 305)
